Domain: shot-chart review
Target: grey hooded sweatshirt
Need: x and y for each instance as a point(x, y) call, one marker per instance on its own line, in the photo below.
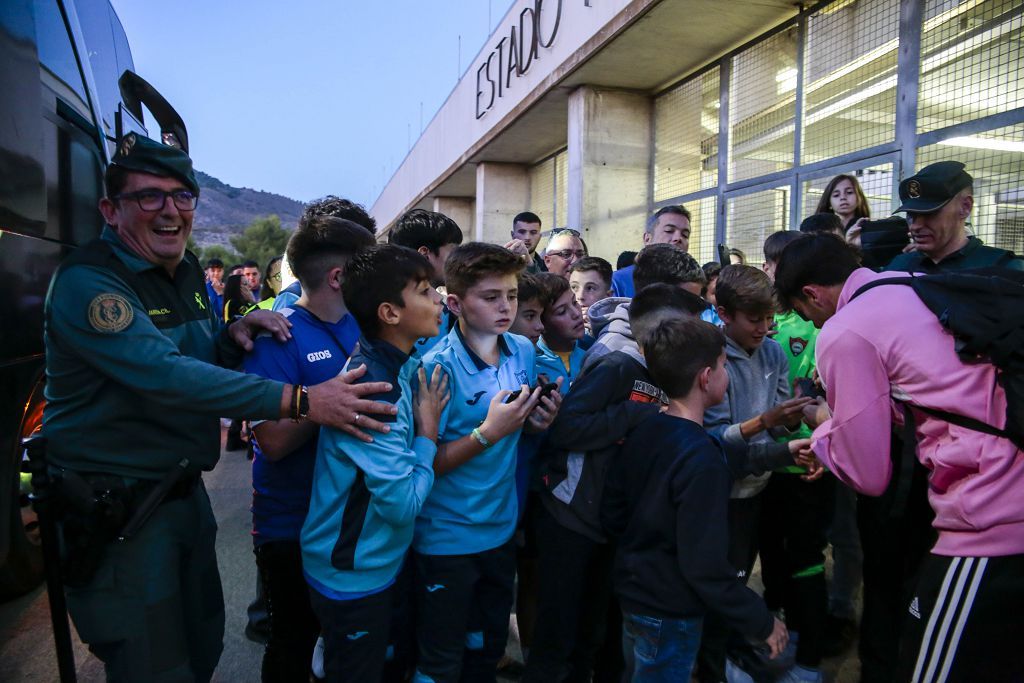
point(609, 320)
point(757, 382)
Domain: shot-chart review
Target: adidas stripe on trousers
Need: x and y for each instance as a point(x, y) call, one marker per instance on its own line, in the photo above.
point(966, 622)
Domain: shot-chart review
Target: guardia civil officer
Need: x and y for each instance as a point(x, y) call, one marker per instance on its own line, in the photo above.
point(134, 392)
point(937, 200)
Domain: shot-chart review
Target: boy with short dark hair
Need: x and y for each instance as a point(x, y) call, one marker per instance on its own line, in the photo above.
point(323, 335)
point(528, 321)
point(668, 510)
point(656, 263)
point(591, 281)
point(711, 270)
point(560, 353)
point(366, 495)
point(433, 235)
point(464, 551)
point(756, 410)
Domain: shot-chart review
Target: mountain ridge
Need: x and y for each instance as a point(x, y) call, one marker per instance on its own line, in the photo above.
point(225, 210)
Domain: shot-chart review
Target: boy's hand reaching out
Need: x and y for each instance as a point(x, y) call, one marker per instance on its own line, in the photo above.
point(429, 400)
point(788, 413)
point(778, 639)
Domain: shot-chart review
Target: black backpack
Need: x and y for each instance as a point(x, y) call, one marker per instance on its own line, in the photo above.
point(984, 311)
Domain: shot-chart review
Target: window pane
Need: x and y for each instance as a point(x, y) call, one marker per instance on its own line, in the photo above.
point(562, 192)
point(686, 138)
point(850, 78)
point(54, 45)
point(876, 182)
point(702, 228)
point(99, 39)
point(996, 161)
point(752, 217)
point(542, 192)
point(762, 99)
point(971, 61)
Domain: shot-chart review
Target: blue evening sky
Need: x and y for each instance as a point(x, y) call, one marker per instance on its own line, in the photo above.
point(307, 97)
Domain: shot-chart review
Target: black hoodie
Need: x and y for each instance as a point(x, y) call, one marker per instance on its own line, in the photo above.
point(666, 501)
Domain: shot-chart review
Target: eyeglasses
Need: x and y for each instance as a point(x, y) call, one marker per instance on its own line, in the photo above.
point(564, 231)
point(567, 254)
point(155, 200)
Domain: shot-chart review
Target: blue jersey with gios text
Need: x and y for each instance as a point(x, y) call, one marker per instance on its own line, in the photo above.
point(316, 352)
point(366, 495)
point(473, 508)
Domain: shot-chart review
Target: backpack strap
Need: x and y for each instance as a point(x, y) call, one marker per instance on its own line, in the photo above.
point(952, 418)
point(903, 465)
point(878, 283)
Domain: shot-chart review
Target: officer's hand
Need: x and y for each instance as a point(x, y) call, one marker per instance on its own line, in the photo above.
point(244, 330)
point(340, 404)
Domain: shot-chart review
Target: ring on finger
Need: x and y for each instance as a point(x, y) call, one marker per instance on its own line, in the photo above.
point(357, 418)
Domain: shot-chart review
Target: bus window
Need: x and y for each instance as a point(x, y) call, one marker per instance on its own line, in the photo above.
point(94, 18)
point(55, 50)
point(84, 218)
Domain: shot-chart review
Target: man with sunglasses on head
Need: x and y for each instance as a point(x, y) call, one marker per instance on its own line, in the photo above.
point(564, 249)
point(133, 399)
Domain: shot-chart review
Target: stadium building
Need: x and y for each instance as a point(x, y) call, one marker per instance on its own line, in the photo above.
point(593, 113)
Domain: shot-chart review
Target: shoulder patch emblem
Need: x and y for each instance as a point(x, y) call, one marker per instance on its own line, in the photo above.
point(797, 345)
point(110, 312)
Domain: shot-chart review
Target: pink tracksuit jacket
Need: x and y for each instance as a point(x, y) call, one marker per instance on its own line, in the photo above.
point(886, 344)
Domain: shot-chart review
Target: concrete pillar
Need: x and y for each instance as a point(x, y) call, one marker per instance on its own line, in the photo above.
point(609, 140)
point(460, 210)
point(502, 191)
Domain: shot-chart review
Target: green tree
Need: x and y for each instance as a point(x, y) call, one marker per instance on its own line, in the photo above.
point(223, 253)
point(262, 240)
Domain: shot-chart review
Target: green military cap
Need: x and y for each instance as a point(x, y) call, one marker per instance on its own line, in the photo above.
point(139, 153)
point(933, 186)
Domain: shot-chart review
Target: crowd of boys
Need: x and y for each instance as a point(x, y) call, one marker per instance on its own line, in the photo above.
point(604, 454)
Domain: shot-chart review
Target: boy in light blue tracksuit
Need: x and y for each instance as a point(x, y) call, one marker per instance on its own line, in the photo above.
point(463, 547)
point(366, 496)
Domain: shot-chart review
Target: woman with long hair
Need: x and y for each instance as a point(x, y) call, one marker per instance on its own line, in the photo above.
point(844, 197)
point(238, 299)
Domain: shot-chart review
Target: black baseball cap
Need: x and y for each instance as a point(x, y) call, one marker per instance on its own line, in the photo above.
point(933, 186)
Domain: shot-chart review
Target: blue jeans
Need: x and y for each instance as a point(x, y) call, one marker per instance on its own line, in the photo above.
point(659, 649)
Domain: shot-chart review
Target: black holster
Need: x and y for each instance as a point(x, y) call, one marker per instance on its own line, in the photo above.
point(92, 511)
point(97, 510)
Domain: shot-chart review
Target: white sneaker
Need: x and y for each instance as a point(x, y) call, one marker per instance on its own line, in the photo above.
point(317, 664)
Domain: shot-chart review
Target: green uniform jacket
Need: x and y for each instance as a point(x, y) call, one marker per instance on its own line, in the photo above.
point(974, 255)
point(797, 338)
point(132, 386)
